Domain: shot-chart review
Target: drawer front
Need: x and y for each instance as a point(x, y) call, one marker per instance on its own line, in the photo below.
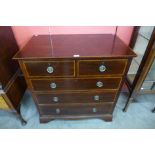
point(81, 98)
point(101, 67)
point(50, 68)
point(75, 84)
point(75, 110)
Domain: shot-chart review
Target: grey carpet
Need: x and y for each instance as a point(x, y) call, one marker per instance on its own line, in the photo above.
point(139, 116)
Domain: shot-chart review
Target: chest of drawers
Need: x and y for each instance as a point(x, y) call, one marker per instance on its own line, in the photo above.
point(75, 76)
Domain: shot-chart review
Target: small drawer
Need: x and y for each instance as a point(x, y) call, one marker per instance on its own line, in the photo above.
point(76, 98)
point(75, 84)
point(50, 68)
point(101, 67)
point(76, 110)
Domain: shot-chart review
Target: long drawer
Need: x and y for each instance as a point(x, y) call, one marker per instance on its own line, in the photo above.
point(75, 84)
point(101, 67)
point(77, 97)
point(50, 68)
point(76, 110)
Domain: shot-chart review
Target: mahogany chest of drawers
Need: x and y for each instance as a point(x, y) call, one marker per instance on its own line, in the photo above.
point(75, 76)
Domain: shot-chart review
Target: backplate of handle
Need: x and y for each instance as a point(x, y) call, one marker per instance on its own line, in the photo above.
point(50, 69)
point(99, 84)
point(53, 85)
point(102, 68)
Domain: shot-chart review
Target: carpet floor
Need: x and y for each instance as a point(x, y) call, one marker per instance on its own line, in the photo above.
point(138, 116)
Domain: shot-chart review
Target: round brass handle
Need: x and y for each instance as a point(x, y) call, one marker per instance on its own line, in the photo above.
point(94, 110)
point(53, 85)
point(96, 97)
point(50, 69)
point(99, 84)
point(55, 99)
point(102, 68)
point(58, 111)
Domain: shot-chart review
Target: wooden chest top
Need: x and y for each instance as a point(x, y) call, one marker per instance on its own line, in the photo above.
point(79, 45)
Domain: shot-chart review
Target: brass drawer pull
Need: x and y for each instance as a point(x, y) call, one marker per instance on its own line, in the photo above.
point(102, 68)
point(58, 111)
point(53, 85)
point(55, 99)
point(99, 84)
point(50, 69)
point(94, 110)
point(96, 97)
